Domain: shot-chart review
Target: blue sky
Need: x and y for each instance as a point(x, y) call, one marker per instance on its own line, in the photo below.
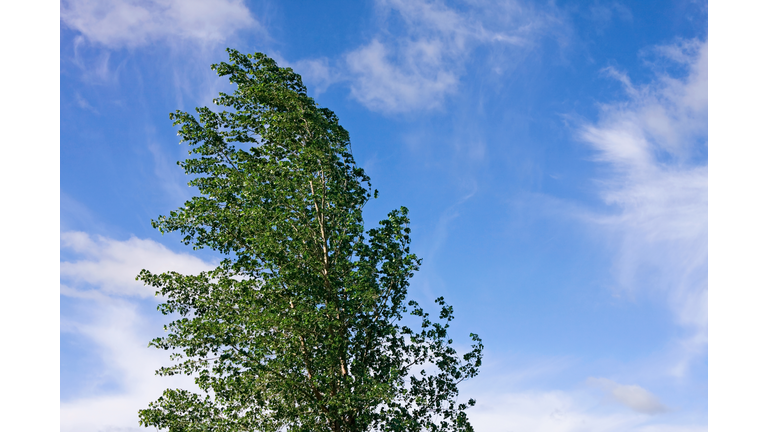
point(554, 158)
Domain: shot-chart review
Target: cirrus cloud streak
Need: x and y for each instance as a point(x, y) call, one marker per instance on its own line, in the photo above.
point(654, 145)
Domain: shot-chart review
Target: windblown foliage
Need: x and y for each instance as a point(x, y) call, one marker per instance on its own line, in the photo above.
point(299, 327)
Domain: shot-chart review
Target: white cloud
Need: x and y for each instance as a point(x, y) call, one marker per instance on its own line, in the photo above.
point(655, 145)
point(111, 266)
point(417, 70)
point(110, 312)
point(131, 23)
point(561, 411)
point(513, 396)
point(113, 315)
point(118, 331)
point(632, 396)
point(382, 85)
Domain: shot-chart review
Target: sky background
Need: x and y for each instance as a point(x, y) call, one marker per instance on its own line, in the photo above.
point(554, 158)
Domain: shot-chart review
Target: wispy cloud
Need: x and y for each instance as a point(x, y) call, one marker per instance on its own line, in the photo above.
point(424, 62)
point(655, 145)
point(601, 14)
point(132, 23)
point(318, 72)
point(74, 214)
point(83, 103)
point(110, 312)
point(632, 396)
point(117, 330)
point(95, 68)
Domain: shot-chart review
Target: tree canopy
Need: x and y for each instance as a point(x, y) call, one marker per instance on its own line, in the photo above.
point(302, 325)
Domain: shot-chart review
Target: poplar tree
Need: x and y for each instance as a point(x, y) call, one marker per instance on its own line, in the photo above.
point(302, 325)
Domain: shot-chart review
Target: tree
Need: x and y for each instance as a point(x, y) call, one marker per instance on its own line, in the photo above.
point(301, 325)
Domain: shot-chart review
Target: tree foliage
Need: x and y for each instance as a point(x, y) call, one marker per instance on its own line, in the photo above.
point(300, 327)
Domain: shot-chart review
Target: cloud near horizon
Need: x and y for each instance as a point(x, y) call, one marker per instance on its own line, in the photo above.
point(111, 395)
point(632, 396)
point(566, 411)
point(112, 317)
